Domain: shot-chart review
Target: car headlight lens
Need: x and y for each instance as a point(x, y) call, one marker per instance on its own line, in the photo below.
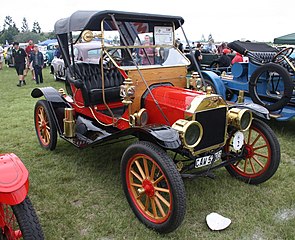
point(190, 132)
point(240, 118)
point(246, 120)
point(139, 118)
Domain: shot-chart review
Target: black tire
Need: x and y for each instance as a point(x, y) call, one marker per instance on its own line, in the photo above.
point(143, 165)
point(263, 154)
point(21, 221)
point(280, 101)
point(44, 125)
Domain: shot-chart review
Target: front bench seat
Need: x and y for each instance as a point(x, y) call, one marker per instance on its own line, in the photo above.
point(90, 76)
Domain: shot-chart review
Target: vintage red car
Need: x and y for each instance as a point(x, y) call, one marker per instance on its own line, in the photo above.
point(139, 88)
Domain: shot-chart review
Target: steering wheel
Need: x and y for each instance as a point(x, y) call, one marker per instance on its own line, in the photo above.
point(108, 63)
point(279, 57)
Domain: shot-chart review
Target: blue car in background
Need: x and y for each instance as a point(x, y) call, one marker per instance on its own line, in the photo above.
point(48, 49)
point(50, 52)
point(266, 79)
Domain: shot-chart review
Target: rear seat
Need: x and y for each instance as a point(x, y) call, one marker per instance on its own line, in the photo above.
point(90, 74)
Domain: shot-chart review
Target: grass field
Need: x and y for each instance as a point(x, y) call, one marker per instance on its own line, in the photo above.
point(78, 193)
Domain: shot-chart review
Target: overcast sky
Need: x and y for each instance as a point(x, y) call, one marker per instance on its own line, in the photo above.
point(226, 20)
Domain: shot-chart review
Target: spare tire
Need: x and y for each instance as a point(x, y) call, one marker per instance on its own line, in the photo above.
point(279, 98)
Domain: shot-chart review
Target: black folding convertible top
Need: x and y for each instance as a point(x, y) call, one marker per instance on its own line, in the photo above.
point(90, 20)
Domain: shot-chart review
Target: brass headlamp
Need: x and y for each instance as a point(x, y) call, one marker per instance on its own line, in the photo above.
point(240, 118)
point(139, 118)
point(190, 132)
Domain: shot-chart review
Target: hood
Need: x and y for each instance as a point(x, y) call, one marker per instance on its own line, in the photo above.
point(178, 103)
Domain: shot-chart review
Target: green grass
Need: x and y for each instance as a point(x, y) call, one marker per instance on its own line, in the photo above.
point(78, 193)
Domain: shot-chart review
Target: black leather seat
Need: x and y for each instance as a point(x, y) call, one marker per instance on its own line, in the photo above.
point(91, 77)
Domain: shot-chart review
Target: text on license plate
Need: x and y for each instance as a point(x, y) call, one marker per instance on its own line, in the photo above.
point(207, 160)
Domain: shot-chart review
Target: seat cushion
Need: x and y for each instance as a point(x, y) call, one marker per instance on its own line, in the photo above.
point(91, 76)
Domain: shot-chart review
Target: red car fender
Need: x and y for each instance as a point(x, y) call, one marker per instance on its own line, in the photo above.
point(14, 179)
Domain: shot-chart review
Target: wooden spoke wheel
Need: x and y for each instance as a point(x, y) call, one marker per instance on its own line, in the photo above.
point(153, 186)
point(262, 154)
point(44, 125)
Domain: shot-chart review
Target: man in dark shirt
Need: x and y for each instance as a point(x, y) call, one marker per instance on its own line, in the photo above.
point(19, 57)
point(198, 54)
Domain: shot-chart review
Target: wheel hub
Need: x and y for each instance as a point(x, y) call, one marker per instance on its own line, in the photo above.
point(249, 151)
point(43, 125)
point(148, 187)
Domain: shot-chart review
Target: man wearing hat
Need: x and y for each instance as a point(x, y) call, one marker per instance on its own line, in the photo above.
point(19, 57)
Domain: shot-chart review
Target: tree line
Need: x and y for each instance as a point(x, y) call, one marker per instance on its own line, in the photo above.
point(11, 33)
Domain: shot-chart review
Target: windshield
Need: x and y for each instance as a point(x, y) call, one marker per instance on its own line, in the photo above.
point(146, 45)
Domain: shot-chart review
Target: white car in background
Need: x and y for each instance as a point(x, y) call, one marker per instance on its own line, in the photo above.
point(83, 52)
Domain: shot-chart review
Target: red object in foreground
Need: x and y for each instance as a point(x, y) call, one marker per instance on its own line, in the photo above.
point(14, 179)
point(17, 215)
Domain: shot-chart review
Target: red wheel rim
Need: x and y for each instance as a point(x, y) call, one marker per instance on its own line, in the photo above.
point(42, 126)
point(10, 229)
point(149, 188)
point(258, 156)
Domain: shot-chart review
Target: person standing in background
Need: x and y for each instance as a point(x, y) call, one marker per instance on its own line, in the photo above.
point(198, 54)
point(37, 61)
point(147, 54)
point(19, 58)
point(57, 52)
point(1, 57)
point(29, 49)
point(179, 44)
point(221, 47)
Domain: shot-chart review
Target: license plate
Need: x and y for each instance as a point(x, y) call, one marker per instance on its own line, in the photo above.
point(207, 160)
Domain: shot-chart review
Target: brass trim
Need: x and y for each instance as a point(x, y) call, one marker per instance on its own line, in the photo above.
point(235, 116)
point(209, 90)
point(195, 153)
point(204, 102)
point(182, 126)
point(88, 35)
point(138, 117)
point(69, 123)
point(241, 98)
